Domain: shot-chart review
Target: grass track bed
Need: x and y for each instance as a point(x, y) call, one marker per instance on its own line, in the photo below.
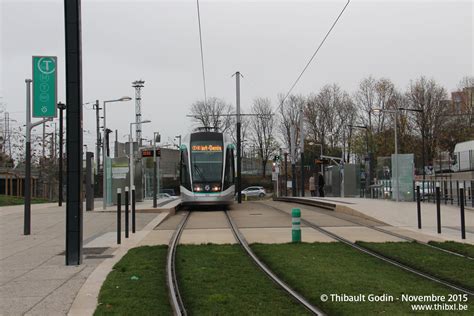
point(147, 295)
point(461, 248)
point(445, 266)
point(334, 268)
point(222, 280)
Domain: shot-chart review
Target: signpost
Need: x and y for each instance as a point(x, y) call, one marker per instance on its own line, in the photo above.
point(44, 83)
point(44, 86)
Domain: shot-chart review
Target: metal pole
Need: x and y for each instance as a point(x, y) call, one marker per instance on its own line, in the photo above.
point(293, 160)
point(396, 156)
point(286, 174)
point(119, 216)
point(423, 145)
point(74, 206)
point(154, 172)
point(418, 205)
point(97, 127)
point(27, 210)
point(302, 150)
point(104, 162)
point(126, 212)
point(61, 107)
point(438, 208)
point(463, 221)
point(89, 181)
point(133, 209)
point(239, 174)
point(131, 157)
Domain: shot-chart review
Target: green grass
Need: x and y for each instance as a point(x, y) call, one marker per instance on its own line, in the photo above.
point(461, 248)
point(446, 266)
point(6, 200)
point(121, 295)
point(222, 280)
point(334, 268)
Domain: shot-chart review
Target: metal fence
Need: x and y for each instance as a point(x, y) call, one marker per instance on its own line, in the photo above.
point(449, 189)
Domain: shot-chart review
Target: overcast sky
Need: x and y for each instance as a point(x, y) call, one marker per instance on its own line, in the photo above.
point(269, 42)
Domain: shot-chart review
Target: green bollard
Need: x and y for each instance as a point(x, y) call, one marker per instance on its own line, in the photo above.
point(295, 225)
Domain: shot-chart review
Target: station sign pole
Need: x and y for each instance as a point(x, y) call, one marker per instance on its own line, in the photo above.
point(44, 70)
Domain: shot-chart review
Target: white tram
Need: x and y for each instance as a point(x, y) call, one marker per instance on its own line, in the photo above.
point(207, 172)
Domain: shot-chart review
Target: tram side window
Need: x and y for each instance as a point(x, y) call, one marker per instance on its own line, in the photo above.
point(184, 172)
point(229, 168)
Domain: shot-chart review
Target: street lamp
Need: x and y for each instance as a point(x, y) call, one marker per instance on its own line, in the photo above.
point(131, 166)
point(396, 146)
point(104, 152)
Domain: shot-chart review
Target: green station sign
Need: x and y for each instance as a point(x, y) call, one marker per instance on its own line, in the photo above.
point(44, 86)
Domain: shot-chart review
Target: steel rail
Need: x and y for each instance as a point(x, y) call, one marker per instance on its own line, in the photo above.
point(243, 242)
point(171, 280)
point(378, 255)
point(317, 205)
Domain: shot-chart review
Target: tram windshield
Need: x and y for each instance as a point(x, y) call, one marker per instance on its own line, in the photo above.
point(206, 160)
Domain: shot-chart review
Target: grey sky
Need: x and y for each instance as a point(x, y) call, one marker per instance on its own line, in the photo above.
point(269, 42)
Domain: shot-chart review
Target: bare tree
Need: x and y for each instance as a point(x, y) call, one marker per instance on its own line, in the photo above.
point(328, 115)
point(213, 114)
point(372, 94)
point(262, 130)
point(427, 95)
point(289, 111)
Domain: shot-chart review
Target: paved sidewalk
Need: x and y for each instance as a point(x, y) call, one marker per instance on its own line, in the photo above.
point(404, 215)
point(34, 279)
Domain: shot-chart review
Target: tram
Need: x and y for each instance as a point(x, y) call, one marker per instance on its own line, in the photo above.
point(207, 174)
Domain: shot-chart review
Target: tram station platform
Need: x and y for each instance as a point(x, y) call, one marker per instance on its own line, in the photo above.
point(34, 279)
point(403, 215)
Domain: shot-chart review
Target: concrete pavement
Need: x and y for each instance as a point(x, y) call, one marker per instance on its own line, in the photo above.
point(33, 277)
point(402, 216)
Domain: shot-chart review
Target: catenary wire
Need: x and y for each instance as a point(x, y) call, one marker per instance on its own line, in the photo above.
point(202, 53)
point(314, 54)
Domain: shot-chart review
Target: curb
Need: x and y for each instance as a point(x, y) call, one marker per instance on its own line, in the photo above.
point(86, 300)
point(330, 206)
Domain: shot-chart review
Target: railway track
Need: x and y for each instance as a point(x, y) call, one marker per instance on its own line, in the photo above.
point(376, 254)
point(379, 229)
point(296, 296)
point(176, 301)
point(175, 297)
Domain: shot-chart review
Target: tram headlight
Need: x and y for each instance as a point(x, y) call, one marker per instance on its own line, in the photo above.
point(197, 188)
point(216, 188)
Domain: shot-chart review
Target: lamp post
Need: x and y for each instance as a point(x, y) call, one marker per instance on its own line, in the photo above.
point(396, 148)
point(61, 107)
point(131, 166)
point(156, 139)
point(104, 151)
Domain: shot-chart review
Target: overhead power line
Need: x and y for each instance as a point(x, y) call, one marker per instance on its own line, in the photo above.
point(202, 53)
point(314, 55)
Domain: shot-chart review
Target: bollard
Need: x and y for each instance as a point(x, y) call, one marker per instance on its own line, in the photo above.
point(418, 205)
point(133, 209)
point(119, 215)
point(463, 223)
point(295, 225)
point(472, 193)
point(126, 212)
point(438, 208)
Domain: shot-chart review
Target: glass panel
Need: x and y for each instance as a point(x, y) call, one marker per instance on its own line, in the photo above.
point(206, 161)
